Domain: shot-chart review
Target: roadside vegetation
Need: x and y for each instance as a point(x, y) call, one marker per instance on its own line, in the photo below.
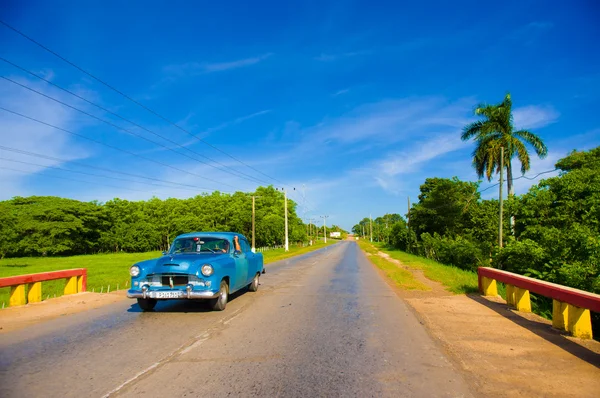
point(456, 280)
point(108, 271)
point(551, 233)
point(48, 226)
point(401, 277)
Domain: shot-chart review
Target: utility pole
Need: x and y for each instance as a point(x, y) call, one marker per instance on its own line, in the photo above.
point(324, 229)
point(253, 230)
point(371, 225)
point(500, 199)
point(287, 244)
point(408, 225)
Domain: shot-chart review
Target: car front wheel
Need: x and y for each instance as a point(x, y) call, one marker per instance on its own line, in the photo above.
point(219, 303)
point(146, 304)
point(253, 286)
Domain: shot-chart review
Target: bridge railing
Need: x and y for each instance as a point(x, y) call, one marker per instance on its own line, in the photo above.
point(570, 307)
point(75, 282)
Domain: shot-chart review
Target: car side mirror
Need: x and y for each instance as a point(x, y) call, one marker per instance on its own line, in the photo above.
point(237, 252)
point(164, 253)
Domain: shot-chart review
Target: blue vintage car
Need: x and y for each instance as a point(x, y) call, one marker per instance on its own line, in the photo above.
point(199, 265)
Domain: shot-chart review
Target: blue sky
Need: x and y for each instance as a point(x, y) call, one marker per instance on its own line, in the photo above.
point(352, 103)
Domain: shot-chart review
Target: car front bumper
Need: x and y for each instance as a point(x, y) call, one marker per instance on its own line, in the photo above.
point(188, 293)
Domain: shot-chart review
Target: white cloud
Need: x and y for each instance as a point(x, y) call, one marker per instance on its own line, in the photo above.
point(407, 161)
point(340, 92)
point(534, 116)
point(27, 135)
point(196, 68)
point(334, 57)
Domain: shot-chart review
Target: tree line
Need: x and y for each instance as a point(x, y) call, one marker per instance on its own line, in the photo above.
point(52, 226)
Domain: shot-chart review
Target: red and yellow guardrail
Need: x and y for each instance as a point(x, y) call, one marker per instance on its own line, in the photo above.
point(570, 307)
point(76, 282)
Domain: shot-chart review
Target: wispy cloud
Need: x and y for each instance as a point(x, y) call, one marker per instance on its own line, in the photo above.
point(534, 116)
point(341, 92)
point(530, 33)
point(19, 133)
point(325, 57)
point(197, 68)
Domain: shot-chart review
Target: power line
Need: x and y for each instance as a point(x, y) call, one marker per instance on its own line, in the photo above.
point(94, 175)
point(239, 173)
point(41, 156)
point(109, 146)
point(131, 99)
point(119, 128)
point(490, 187)
point(75, 180)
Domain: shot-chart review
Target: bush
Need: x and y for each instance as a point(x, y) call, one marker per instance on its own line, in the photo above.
point(459, 252)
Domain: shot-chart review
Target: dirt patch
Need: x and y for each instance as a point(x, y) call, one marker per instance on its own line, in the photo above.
point(504, 353)
point(15, 318)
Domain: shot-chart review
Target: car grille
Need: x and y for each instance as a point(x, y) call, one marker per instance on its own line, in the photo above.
point(178, 280)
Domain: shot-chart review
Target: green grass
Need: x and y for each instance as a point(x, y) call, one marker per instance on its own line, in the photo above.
point(105, 270)
point(280, 254)
point(455, 279)
point(401, 277)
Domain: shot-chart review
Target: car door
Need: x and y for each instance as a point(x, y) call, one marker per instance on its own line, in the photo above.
point(241, 265)
point(252, 263)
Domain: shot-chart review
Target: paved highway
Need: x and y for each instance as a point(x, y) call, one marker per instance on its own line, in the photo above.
point(324, 324)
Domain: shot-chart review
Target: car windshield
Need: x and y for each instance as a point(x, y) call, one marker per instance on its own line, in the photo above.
point(200, 244)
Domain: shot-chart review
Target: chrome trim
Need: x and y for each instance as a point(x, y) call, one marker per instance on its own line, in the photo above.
point(189, 295)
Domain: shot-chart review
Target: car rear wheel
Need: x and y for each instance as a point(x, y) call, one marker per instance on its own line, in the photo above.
point(146, 304)
point(219, 303)
point(253, 286)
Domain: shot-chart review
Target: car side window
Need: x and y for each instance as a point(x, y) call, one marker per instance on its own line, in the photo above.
point(245, 246)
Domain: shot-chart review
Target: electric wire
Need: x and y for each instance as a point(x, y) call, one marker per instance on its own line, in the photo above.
point(93, 175)
point(41, 156)
point(230, 171)
point(116, 127)
point(108, 145)
point(131, 99)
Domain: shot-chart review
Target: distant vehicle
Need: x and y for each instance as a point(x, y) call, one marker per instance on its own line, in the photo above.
point(199, 265)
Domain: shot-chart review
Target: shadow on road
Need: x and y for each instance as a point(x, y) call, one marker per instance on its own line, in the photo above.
point(541, 329)
point(184, 306)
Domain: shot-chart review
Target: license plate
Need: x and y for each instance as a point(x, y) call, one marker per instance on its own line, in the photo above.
point(166, 295)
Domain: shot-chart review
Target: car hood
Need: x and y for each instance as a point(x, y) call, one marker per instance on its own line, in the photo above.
point(181, 263)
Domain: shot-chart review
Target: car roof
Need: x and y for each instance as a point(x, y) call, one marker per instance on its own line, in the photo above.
point(220, 235)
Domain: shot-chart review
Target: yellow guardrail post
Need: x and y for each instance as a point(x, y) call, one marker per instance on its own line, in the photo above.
point(80, 284)
point(17, 296)
point(510, 295)
point(490, 287)
point(560, 315)
point(34, 293)
point(71, 285)
point(522, 299)
point(580, 322)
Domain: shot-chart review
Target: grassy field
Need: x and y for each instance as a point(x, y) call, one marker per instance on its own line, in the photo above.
point(105, 271)
point(455, 279)
point(401, 277)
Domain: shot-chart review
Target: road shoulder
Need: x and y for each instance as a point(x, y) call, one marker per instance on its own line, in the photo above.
point(504, 353)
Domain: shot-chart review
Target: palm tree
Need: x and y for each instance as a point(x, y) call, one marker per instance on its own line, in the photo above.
point(496, 130)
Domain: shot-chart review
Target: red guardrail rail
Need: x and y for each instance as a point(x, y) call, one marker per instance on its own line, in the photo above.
point(570, 307)
point(76, 281)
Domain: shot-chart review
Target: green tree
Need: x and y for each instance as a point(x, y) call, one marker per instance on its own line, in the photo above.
point(496, 130)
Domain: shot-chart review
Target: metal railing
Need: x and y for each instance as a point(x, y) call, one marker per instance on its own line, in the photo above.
point(570, 307)
point(75, 282)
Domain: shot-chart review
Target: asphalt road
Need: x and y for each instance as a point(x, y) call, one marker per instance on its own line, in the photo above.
point(321, 325)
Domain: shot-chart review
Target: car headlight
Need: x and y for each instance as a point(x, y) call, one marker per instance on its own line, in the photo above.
point(134, 270)
point(207, 270)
